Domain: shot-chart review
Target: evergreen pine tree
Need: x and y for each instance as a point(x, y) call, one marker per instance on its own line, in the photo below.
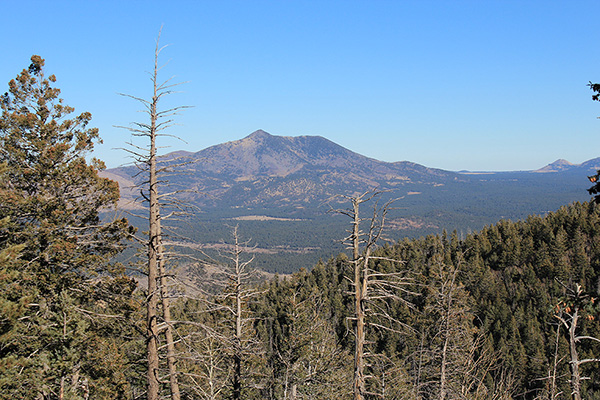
point(50, 199)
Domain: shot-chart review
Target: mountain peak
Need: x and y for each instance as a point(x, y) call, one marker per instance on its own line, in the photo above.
point(561, 161)
point(259, 134)
point(558, 165)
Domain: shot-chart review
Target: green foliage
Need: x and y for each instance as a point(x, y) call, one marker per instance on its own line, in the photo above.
point(54, 250)
point(296, 320)
point(512, 272)
point(595, 189)
point(499, 326)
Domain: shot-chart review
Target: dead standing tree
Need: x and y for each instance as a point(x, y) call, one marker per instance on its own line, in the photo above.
point(146, 158)
point(576, 305)
point(371, 287)
point(238, 274)
point(227, 328)
point(460, 365)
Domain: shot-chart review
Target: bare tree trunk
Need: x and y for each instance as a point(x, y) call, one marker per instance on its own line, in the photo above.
point(171, 360)
point(293, 392)
point(237, 359)
point(151, 326)
point(365, 280)
point(61, 393)
point(359, 313)
point(443, 369)
point(553, 394)
point(359, 362)
point(575, 374)
point(446, 333)
point(153, 256)
point(236, 342)
point(156, 270)
point(571, 310)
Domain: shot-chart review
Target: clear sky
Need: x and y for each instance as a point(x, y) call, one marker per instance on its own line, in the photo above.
point(475, 85)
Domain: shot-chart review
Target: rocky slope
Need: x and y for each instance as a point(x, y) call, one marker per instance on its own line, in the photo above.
point(282, 171)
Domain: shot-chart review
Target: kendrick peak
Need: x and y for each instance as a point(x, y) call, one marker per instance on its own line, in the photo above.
point(268, 171)
point(263, 155)
point(281, 155)
point(283, 170)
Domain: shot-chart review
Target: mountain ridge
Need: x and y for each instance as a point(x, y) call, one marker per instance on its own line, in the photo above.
point(289, 170)
point(562, 165)
point(299, 171)
point(293, 144)
point(306, 150)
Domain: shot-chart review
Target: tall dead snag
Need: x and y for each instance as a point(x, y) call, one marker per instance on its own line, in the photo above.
point(226, 330)
point(146, 157)
point(371, 287)
point(453, 338)
point(238, 275)
point(574, 306)
point(453, 342)
point(460, 364)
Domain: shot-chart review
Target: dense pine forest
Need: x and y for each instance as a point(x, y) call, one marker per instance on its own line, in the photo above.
point(510, 312)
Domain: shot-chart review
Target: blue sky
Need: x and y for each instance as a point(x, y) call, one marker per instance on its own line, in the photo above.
point(476, 85)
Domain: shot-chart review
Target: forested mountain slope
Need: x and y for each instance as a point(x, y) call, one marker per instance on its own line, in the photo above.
point(513, 282)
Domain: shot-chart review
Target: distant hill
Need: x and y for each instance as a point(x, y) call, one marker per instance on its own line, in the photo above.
point(589, 167)
point(280, 189)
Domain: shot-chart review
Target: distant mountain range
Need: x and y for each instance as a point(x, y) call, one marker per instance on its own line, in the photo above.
point(279, 189)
